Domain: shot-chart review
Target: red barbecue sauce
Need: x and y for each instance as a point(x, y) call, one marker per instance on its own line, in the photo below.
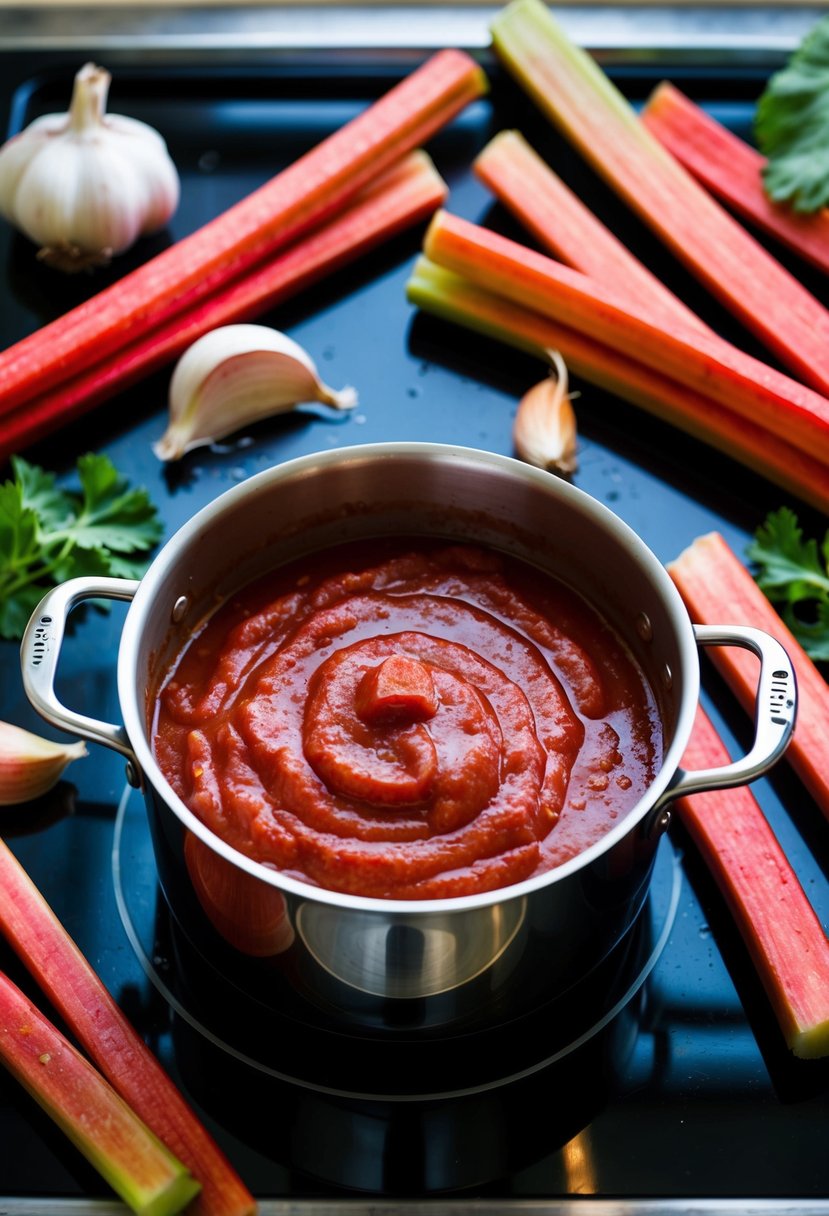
point(408, 720)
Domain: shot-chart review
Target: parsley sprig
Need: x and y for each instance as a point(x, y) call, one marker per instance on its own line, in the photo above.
point(49, 534)
point(792, 125)
point(794, 574)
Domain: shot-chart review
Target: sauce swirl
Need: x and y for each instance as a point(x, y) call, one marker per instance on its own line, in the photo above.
point(408, 721)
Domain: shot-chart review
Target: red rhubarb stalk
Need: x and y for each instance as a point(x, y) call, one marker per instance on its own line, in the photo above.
point(782, 933)
point(87, 1109)
point(733, 171)
point(729, 376)
point(573, 91)
point(456, 299)
point(716, 587)
point(43, 945)
point(560, 221)
point(305, 194)
point(402, 196)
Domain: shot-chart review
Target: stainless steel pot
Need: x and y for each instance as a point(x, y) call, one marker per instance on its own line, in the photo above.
point(389, 965)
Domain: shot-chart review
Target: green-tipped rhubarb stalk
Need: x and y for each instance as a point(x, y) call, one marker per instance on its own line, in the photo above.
point(88, 1110)
point(33, 931)
point(572, 90)
point(738, 382)
point(455, 299)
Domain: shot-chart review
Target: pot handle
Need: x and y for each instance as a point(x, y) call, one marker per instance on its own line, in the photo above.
point(40, 651)
point(774, 717)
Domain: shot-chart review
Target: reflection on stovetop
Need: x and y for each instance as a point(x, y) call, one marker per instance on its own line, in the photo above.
point(665, 1082)
point(394, 1114)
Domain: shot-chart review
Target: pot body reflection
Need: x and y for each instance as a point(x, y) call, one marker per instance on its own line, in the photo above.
point(455, 968)
point(396, 966)
point(389, 966)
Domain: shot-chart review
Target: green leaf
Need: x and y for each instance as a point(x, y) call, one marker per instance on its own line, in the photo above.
point(792, 125)
point(53, 507)
point(793, 573)
point(812, 635)
point(125, 567)
point(19, 529)
point(82, 562)
point(15, 610)
point(48, 535)
point(784, 556)
point(112, 516)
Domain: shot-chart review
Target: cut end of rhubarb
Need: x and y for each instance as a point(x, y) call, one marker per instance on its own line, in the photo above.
point(134, 1162)
point(811, 1044)
point(696, 548)
point(435, 224)
point(102, 1030)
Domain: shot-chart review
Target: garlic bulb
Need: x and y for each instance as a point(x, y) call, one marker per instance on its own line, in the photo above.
point(544, 431)
point(234, 376)
point(85, 185)
point(30, 765)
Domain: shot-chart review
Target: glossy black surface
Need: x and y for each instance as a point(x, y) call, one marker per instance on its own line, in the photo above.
point(694, 1095)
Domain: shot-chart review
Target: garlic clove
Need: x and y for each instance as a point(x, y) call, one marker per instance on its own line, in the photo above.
point(234, 376)
point(544, 431)
point(85, 185)
point(30, 765)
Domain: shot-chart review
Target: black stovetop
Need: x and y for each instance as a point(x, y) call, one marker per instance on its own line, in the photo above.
point(687, 1092)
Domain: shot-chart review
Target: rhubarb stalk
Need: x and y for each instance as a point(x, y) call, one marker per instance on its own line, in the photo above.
point(43, 945)
point(455, 299)
point(572, 90)
point(302, 196)
point(561, 222)
point(735, 380)
point(99, 1123)
point(716, 586)
point(733, 171)
point(405, 195)
point(782, 933)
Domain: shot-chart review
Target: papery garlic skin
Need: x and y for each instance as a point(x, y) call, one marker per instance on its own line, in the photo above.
point(85, 185)
point(545, 432)
point(31, 765)
point(234, 376)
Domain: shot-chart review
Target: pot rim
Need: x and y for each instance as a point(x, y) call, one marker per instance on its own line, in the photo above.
point(130, 689)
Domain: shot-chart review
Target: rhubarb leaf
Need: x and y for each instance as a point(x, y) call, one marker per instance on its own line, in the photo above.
point(792, 126)
point(48, 534)
point(794, 574)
